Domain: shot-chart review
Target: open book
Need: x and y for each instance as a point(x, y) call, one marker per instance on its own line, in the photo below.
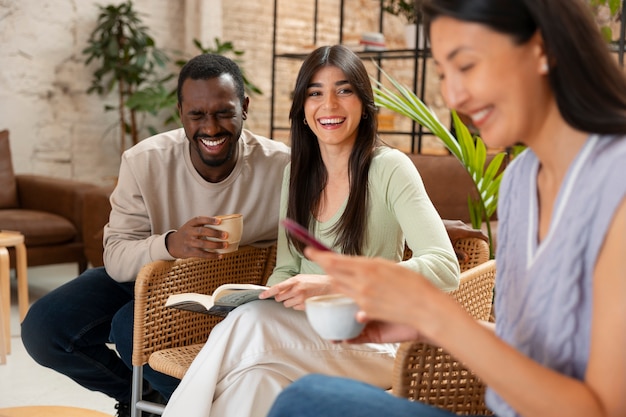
point(225, 298)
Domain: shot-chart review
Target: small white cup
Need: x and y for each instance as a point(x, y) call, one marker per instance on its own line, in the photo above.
point(332, 316)
point(233, 225)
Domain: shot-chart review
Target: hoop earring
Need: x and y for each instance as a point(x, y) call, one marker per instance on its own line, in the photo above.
point(365, 116)
point(305, 122)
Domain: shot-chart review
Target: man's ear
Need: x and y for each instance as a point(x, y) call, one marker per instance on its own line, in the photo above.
point(244, 108)
point(180, 110)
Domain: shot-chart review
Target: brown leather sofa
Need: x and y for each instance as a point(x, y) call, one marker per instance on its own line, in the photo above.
point(46, 210)
point(448, 185)
point(96, 210)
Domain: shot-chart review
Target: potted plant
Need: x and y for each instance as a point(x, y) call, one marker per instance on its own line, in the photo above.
point(612, 12)
point(469, 149)
point(128, 59)
point(156, 96)
point(407, 10)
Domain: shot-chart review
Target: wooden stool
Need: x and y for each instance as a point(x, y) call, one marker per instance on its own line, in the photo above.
point(12, 239)
point(3, 344)
point(50, 411)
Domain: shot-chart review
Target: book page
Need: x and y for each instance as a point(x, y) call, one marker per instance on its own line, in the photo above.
point(190, 301)
point(238, 297)
point(224, 299)
point(226, 289)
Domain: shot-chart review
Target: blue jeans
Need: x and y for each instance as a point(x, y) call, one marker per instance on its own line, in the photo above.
point(67, 330)
point(319, 395)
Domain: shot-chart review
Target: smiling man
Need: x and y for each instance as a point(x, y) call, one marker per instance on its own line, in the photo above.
point(170, 186)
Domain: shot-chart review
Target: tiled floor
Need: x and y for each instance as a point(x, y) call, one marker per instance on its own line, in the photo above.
point(24, 382)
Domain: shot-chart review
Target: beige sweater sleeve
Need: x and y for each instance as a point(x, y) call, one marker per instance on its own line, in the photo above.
point(159, 190)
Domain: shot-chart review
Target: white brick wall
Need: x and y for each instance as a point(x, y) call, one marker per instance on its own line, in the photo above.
point(57, 129)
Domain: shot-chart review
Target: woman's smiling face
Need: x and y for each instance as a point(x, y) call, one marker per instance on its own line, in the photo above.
point(502, 86)
point(332, 108)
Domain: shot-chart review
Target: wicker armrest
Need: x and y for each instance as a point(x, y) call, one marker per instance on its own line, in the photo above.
point(157, 327)
point(477, 251)
point(427, 373)
point(475, 292)
point(433, 376)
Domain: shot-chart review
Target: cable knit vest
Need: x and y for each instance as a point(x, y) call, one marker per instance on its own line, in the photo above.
point(544, 291)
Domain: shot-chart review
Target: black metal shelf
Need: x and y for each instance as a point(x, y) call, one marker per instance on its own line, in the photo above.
point(383, 54)
point(416, 56)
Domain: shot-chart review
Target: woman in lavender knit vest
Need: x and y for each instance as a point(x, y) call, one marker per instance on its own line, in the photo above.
point(536, 72)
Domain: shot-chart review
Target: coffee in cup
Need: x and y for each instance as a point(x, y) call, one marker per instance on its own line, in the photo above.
point(233, 225)
point(332, 316)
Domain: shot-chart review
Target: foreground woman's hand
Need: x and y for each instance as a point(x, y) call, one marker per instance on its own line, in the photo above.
point(385, 332)
point(386, 291)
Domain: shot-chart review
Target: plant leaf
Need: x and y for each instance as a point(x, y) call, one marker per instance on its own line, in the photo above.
point(470, 150)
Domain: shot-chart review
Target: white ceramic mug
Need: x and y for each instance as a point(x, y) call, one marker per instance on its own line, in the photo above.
point(233, 225)
point(332, 316)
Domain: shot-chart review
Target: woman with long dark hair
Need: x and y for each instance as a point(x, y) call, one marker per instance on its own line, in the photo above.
point(539, 73)
point(309, 172)
point(359, 198)
point(355, 194)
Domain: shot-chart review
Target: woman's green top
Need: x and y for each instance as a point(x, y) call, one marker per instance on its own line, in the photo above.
point(398, 209)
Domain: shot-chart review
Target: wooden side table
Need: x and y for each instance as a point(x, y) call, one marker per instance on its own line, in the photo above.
point(49, 411)
point(3, 342)
point(16, 240)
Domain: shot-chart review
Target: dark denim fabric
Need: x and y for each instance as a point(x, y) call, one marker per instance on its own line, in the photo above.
point(68, 330)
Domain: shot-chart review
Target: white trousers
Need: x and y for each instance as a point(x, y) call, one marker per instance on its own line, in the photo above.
point(260, 348)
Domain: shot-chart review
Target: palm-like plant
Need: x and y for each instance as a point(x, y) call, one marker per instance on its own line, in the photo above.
point(470, 150)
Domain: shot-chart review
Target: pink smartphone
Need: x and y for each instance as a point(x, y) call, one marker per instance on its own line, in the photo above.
point(302, 234)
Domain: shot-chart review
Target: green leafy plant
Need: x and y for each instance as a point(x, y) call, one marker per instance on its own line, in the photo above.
point(157, 96)
point(402, 8)
point(128, 59)
point(614, 7)
point(470, 150)
point(226, 48)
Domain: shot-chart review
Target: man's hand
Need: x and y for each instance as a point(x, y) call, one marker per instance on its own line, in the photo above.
point(459, 230)
point(190, 240)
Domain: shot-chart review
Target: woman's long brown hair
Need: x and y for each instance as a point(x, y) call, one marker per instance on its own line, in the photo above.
point(308, 173)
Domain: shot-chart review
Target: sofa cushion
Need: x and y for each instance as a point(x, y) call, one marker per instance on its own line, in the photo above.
point(8, 187)
point(96, 210)
point(447, 183)
point(39, 228)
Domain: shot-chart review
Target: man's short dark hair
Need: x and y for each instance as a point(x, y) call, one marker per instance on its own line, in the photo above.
point(206, 66)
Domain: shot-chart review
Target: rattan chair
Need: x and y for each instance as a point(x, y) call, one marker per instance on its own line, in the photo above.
point(477, 251)
point(427, 373)
point(157, 327)
point(176, 361)
point(183, 345)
